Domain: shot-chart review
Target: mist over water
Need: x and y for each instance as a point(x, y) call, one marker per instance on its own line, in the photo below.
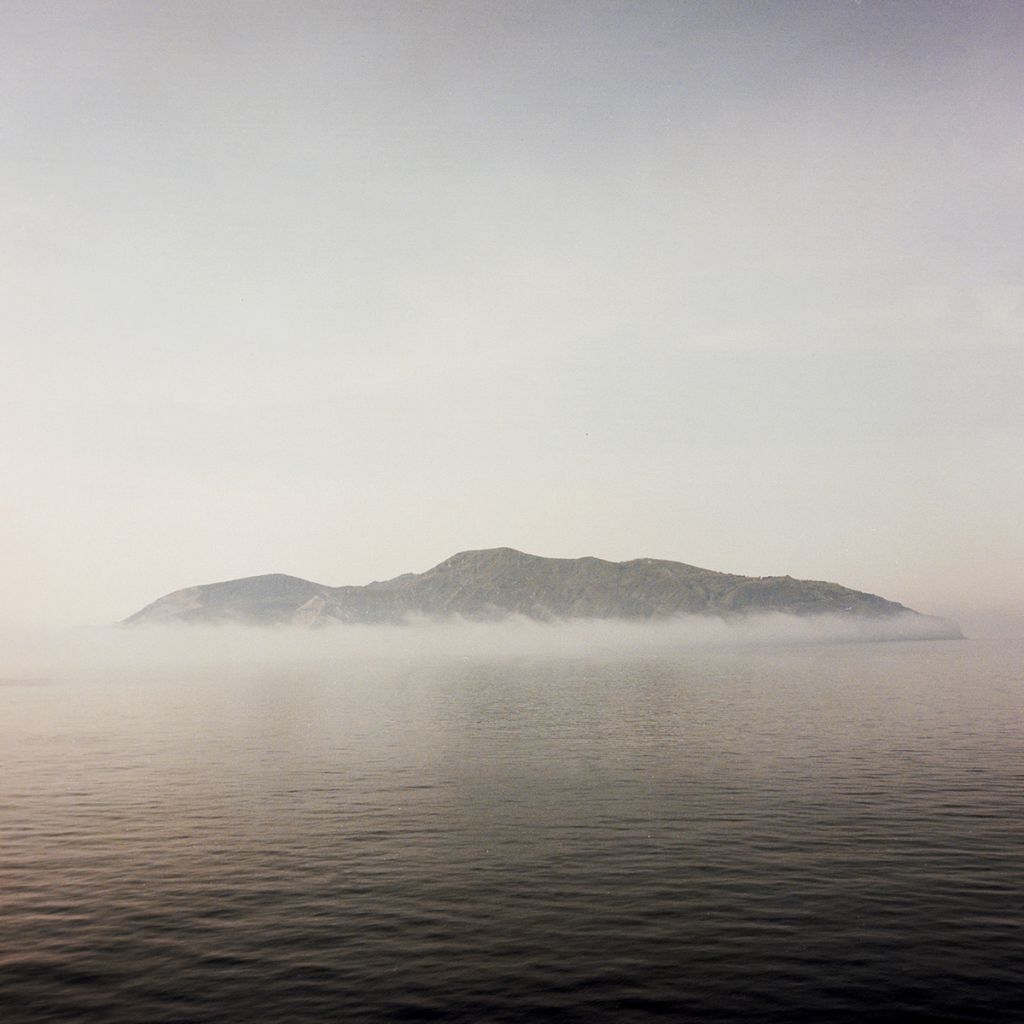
point(96, 650)
point(588, 822)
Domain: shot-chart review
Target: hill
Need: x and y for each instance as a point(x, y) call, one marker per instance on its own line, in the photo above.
point(500, 582)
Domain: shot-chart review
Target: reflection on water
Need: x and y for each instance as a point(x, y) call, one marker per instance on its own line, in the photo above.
point(774, 833)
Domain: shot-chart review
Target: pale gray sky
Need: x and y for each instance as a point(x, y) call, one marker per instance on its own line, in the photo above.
point(337, 289)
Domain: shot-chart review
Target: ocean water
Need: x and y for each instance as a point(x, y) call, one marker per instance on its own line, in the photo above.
point(768, 832)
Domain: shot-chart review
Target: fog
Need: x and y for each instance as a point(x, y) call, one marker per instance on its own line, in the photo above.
point(45, 655)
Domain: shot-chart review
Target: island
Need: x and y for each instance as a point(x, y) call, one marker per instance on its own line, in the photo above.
point(499, 583)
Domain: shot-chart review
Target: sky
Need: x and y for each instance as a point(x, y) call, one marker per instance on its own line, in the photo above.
point(339, 289)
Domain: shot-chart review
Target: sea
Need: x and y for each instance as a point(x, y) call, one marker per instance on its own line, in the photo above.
point(507, 832)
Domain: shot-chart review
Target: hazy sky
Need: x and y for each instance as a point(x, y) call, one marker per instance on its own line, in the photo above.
point(338, 289)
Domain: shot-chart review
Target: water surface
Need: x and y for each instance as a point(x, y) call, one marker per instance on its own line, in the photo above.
point(778, 833)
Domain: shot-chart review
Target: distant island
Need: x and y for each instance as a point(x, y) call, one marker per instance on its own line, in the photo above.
point(496, 583)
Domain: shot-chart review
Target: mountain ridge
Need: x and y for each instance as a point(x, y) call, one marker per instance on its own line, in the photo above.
point(495, 583)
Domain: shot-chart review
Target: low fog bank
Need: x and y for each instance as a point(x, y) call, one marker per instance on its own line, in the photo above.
point(41, 654)
point(985, 624)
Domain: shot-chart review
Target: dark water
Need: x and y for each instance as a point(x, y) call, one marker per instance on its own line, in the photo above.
point(777, 834)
